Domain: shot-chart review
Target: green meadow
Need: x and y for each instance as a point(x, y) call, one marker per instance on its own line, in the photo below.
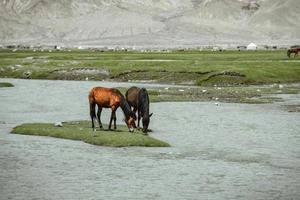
point(203, 68)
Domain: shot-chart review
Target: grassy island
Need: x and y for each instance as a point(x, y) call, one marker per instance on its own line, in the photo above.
point(5, 84)
point(81, 130)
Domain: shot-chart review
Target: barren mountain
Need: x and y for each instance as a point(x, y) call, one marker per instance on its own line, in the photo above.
point(147, 23)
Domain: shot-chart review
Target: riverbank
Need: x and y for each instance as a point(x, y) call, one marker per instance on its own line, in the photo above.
point(233, 94)
point(81, 130)
point(202, 68)
point(175, 93)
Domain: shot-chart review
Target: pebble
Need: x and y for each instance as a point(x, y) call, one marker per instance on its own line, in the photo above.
point(58, 124)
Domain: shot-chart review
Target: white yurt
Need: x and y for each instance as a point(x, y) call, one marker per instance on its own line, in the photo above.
point(251, 46)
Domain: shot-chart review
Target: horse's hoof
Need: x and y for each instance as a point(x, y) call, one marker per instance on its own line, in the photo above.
point(131, 130)
point(94, 130)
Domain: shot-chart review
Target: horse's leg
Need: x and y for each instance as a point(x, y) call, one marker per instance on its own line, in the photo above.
point(131, 107)
point(115, 120)
point(99, 116)
point(134, 109)
point(112, 116)
point(92, 114)
point(139, 118)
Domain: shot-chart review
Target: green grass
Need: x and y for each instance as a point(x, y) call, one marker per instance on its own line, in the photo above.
point(81, 130)
point(194, 67)
point(5, 84)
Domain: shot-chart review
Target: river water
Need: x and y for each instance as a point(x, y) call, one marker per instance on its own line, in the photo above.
point(230, 151)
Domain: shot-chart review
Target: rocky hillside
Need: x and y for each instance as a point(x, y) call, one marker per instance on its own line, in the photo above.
point(166, 23)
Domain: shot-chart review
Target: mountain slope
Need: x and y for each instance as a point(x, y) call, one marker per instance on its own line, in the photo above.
point(149, 22)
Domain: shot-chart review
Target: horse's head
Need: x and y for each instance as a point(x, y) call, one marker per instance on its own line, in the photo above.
point(146, 121)
point(130, 122)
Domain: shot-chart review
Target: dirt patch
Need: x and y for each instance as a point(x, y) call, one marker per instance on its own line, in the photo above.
point(80, 74)
point(228, 73)
point(226, 78)
point(292, 108)
point(161, 76)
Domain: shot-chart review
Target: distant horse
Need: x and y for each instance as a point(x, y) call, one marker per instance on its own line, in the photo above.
point(138, 99)
point(293, 50)
point(110, 98)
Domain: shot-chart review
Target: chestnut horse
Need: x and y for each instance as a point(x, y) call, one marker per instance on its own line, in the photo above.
point(293, 50)
point(110, 98)
point(138, 99)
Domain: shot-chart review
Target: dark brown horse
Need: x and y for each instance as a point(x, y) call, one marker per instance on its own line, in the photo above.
point(138, 99)
point(110, 98)
point(294, 51)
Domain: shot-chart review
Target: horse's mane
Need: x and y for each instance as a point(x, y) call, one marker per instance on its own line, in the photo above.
point(125, 106)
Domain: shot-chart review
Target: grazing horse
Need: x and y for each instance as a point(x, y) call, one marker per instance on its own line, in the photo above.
point(138, 99)
point(293, 50)
point(110, 98)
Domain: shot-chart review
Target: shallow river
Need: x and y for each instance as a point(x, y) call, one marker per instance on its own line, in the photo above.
point(230, 151)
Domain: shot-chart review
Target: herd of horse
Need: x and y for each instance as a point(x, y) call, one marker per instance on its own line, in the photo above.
point(137, 100)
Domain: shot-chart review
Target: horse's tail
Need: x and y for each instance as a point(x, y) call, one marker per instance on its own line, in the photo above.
point(92, 106)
